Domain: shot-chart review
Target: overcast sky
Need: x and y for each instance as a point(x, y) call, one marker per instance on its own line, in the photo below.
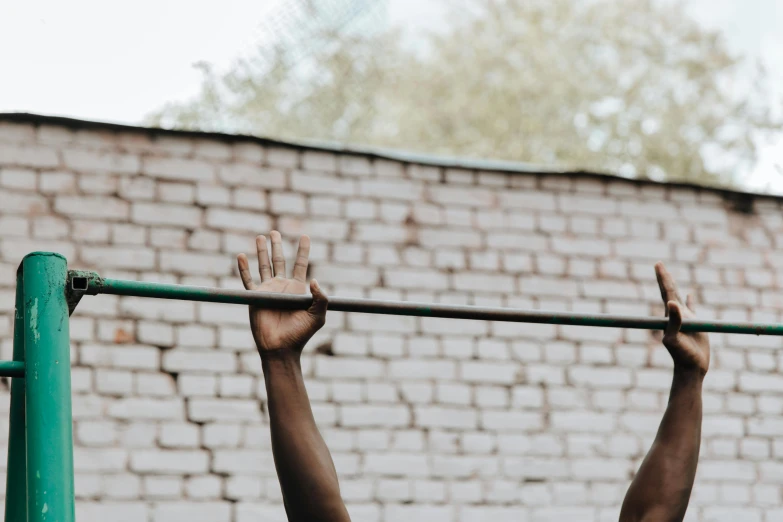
point(117, 62)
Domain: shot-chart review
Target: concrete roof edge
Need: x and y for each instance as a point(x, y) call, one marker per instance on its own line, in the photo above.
point(374, 153)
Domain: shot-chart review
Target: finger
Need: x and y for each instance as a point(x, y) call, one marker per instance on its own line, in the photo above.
point(244, 271)
point(278, 261)
point(263, 259)
point(690, 302)
point(320, 301)
point(675, 318)
point(666, 284)
point(302, 258)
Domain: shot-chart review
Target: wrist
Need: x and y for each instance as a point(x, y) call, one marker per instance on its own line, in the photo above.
point(692, 375)
point(282, 357)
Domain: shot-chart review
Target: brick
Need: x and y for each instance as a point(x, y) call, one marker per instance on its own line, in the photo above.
point(146, 408)
point(157, 334)
point(422, 369)
point(179, 435)
point(641, 249)
point(169, 461)
point(23, 179)
point(445, 417)
point(310, 183)
point(318, 160)
point(180, 360)
point(17, 202)
point(176, 192)
point(453, 394)
point(459, 466)
point(207, 487)
point(488, 372)
point(161, 488)
point(417, 513)
point(244, 487)
point(584, 204)
point(374, 416)
point(44, 227)
point(236, 386)
point(287, 203)
point(28, 155)
point(92, 207)
point(348, 367)
point(116, 257)
point(96, 433)
point(396, 464)
point(222, 435)
point(242, 461)
point(237, 220)
point(757, 382)
point(196, 264)
point(650, 209)
point(468, 196)
point(355, 166)
point(100, 161)
point(511, 421)
point(12, 132)
point(179, 169)
point(586, 247)
point(704, 214)
point(113, 382)
point(117, 511)
point(334, 230)
point(179, 311)
point(535, 285)
point(204, 240)
point(600, 377)
point(206, 410)
point(529, 200)
point(478, 282)
point(159, 385)
point(166, 214)
point(134, 357)
point(137, 188)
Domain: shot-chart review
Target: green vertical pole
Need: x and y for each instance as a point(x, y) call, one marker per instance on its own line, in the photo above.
point(48, 389)
point(16, 474)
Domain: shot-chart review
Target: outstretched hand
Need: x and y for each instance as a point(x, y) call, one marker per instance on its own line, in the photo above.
point(275, 330)
point(691, 350)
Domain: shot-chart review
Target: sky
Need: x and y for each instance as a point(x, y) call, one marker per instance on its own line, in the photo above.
point(118, 62)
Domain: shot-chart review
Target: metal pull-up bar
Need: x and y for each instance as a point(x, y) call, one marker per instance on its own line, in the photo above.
point(91, 283)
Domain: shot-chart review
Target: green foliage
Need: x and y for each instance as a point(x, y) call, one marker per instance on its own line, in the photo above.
point(634, 87)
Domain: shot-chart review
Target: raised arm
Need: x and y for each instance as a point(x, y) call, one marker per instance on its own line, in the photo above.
point(662, 487)
point(304, 466)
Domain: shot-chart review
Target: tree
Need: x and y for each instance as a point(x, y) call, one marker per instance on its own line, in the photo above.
point(634, 87)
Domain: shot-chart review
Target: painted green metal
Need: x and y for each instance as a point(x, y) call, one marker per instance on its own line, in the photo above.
point(11, 368)
point(50, 494)
point(97, 285)
point(16, 474)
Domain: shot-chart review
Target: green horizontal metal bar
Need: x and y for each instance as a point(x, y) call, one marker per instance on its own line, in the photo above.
point(11, 369)
point(97, 285)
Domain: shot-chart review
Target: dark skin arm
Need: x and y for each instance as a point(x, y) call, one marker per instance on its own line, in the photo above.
point(662, 488)
point(308, 479)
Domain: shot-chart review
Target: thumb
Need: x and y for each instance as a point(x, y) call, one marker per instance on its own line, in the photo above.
point(675, 318)
point(320, 301)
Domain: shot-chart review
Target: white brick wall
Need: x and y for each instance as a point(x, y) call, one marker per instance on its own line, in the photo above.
point(427, 419)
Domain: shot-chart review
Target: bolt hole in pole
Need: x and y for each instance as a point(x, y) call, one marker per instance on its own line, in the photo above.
point(79, 283)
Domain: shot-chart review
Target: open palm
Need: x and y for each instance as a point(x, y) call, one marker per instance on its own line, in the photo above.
point(282, 329)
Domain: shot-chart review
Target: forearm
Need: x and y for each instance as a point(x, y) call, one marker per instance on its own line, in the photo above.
point(304, 466)
point(661, 489)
